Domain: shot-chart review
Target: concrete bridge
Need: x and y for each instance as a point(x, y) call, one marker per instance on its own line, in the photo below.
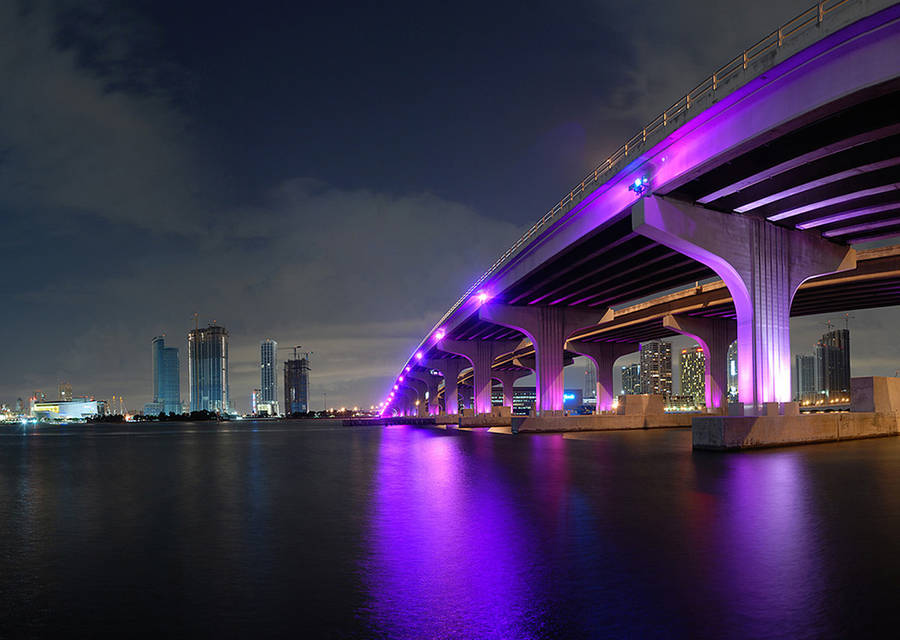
point(763, 177)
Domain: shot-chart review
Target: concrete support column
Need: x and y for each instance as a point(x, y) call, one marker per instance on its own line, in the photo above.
point(449, 368)
point(547, 328)
point(763, 265)
point(714, 335)
point(604, 356)
point(508, 380)
point(403, 400)
point(420, 388)
point(481, 353)
point(431, 382)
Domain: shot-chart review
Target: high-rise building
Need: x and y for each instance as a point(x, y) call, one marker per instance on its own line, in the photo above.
point(254, 400)
point(296, 385)
point(807, 391)
point(656, 367)
point(208, 368)
point(732, 372)
point(65, 391)
point(166, 377)
point(833, 364)
point(268, 380)
point(693, 375)
point(631, 379)
point(590, 381)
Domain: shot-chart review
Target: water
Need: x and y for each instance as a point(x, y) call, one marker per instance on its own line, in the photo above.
point(302, 529)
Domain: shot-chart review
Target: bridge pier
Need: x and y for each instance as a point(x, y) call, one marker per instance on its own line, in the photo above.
point(431, 383)
point(507, 380)
point(481, 354)
point(547, 328)
point(449, 368)
point(419, 388)
point(714, 335)
point(604, 356)
point(762, 265)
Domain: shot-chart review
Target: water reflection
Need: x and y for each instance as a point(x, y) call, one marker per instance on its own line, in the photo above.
point(446, 556)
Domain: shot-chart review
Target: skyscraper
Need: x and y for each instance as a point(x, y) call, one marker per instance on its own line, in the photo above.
point(833, 364)
point(268, 380)
point(806, 378)
point(732, 364)
point(166, 376)
point(65, 391)
point(208, 368)
point(296, 385)
point(693, 375)
point(590, 381)
point(656, 367)
point(631, 379)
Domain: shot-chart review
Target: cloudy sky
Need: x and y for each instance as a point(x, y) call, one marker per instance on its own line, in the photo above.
point(331, 176)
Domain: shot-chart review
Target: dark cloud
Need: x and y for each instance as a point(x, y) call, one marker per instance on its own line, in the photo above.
point(334, 179)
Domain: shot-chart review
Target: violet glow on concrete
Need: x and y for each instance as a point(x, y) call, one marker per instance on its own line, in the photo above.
point(817, 183)
point(847, 215)
point(864, 226)
point(847, 197)
point(419, 584)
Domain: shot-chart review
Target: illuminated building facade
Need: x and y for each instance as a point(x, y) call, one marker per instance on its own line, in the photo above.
point(208, 369)
point(76, 409)
point(732, 372)
point(693, 374)
point(524, 399)
point(268, 380)
point(65, 391)
point(631, 379)
point(833, 360)
point(590, 381)
point(656, 368)
point(166, 378)
point(806, 376)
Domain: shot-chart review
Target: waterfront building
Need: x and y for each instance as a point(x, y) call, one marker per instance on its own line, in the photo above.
point(65, 391)
point(732, 372)
point(524, 399)
point(296, 385)
point(166, 377)
point(254, 401)
point(693, 375)
point(656, 368)
point(75, 409)
point(631, 379)
point(833, 364)
point(208, 369)
point(807, 391)
point(268, 380)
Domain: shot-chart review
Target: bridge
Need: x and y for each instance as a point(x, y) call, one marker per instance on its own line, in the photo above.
point(760, 182)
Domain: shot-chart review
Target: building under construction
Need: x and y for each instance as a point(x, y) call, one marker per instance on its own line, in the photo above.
point(296, 384)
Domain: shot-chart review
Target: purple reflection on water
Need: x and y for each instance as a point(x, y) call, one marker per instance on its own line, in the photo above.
point(774, 566)
point(445, 556)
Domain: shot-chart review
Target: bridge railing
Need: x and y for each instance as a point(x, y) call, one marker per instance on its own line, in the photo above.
point(809, 19)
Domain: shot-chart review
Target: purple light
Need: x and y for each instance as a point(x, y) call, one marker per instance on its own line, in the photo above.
point(418, 356)
point(439, 335)
point(482, 297)
point(400, 378)
point(396, 388)
point(407, 369)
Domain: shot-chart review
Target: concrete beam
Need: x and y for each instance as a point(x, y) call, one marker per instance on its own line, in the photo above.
point(547, 328)
point(714, 335)
point(481, 354)
point(604, 356)
point(762, 265)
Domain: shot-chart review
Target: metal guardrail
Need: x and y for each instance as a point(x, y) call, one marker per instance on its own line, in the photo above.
point(812, 17)
point(809, 19)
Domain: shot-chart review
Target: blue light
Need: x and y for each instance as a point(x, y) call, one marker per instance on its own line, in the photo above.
point(637, 183)
point(568, 396)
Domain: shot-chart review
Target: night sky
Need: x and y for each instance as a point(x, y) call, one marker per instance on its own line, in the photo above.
point(328, 175)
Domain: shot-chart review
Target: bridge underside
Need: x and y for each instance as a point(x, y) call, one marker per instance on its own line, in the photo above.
point(825, 177)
